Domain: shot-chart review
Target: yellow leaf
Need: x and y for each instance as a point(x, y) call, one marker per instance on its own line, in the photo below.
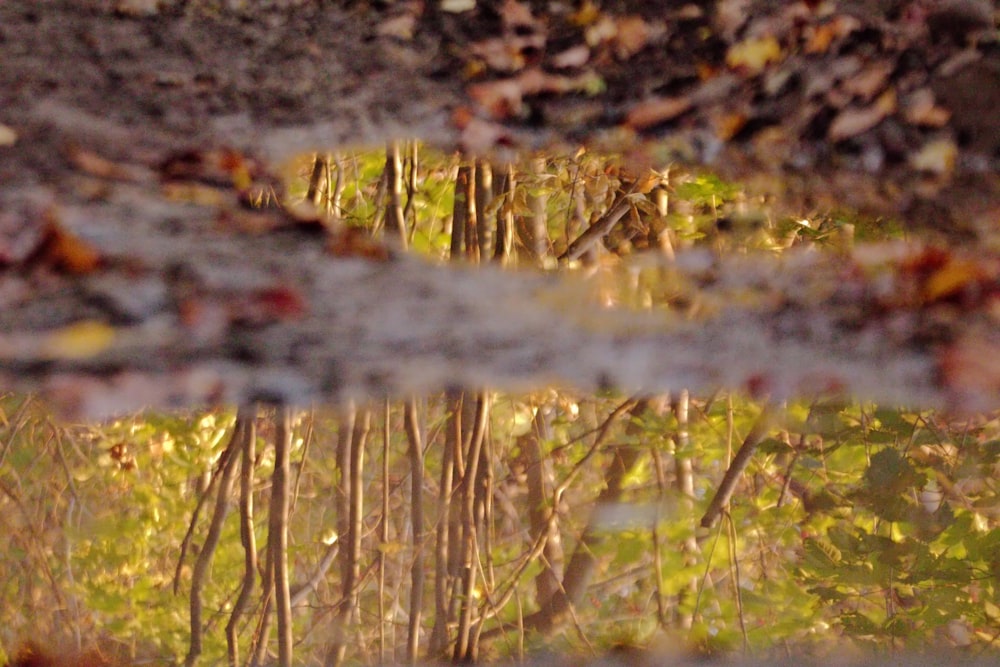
point(80, 340)
point(936, 157)
point(753, 55)
point(950, 279)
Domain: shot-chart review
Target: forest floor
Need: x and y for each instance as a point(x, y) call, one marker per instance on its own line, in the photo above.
point(888, 106)
point(128, 129)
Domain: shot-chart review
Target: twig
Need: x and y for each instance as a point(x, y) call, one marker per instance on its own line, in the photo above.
point(736, 468)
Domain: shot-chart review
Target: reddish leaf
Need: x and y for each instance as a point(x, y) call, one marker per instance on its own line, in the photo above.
point(280, 303)
point(66, 252)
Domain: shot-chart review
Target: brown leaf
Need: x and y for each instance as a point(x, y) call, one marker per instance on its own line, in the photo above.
point(95, 165)
point(728, 125)
point(507, 54)
point(631, 36)
point(65, 251)
point(868, 82)
point(819, 38)
point(517, 15)
point(654, 111)
point(919, 108)
point(504, 98)
point(853, 121)
point(223, 167)
point(400, 27)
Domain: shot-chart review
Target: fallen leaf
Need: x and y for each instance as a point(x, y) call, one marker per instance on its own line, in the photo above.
point(196, 193)
point(601, 31)
point(654, 111)
point(819, 38)
point(278, 303)
point(955, 276)
point(504, 98)
point(508, 54)
point(631, 36)
point(400, 27)
point(457, 6)
point(588, 13)
point(919, 108)
point(868, 82)
point(67, 252)
point(728, 125)
point(729, 16)
point(575, 56)
point(937, 156)
point(753, 55)
point(517, 16)
point(80, 340)
point(8, 137)
point(223, 167)
point(95, 165)
point(853, 121)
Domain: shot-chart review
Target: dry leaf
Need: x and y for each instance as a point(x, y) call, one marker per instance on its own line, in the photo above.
point(603, 30)
point(225, 167)
point(728, 125)
point(652, 112)
point(517, 15)
point(65, 251)
point(920, 109)
point(504, 98)
point(507, 54)
point(196, 193)
point(868, 82)
point(80, 340)
point(457, 6)
point(8, 137)
point(273, 304)
point(575, 56)
point(854, 121)
point(401, 26)
point(588, 13)
point(951, 279)
point(95, 165)
point(753, 55)
point(631, 36)
point(820, 38)
point(936, 157)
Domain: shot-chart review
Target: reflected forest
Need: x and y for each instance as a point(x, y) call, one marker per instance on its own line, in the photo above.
point(489, 525)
